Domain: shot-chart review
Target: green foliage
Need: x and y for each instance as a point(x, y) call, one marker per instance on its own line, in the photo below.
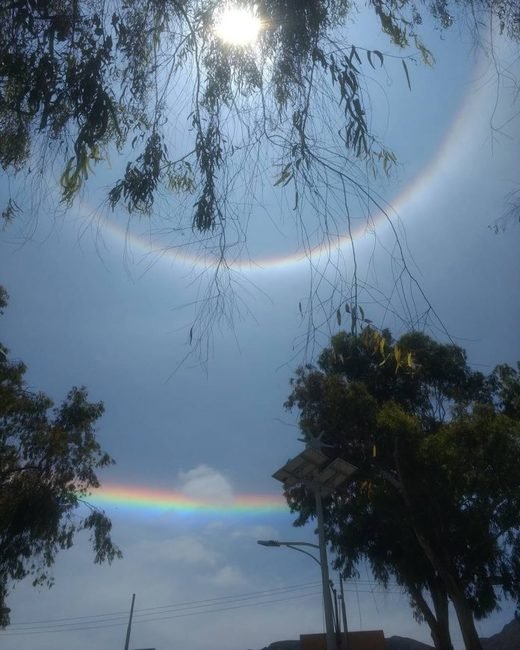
point(86, 77)
point(4, 297)
point(435, 502)
point(505, 382)
point(9, 212)
point(48, 461)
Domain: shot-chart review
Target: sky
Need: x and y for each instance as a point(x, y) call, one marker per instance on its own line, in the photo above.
point(91, 306)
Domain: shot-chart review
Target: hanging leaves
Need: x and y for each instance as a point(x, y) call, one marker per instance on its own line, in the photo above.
point(405, 67)
point(285, 176)
point(379, 56)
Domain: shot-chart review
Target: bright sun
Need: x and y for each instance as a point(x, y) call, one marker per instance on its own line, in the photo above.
point(238, 26)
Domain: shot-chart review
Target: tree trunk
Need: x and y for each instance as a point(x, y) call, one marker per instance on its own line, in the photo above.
point(446, 573)
point(438, 622)
point(441, 606)
point(441, 636)
point(442, 616)
point(466, 622)
point(455, 593)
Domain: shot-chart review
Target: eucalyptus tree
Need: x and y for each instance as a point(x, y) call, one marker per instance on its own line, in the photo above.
point(435, 501)
point(198, 120)
point(48, 462)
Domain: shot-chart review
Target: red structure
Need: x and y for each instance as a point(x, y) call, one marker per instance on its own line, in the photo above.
point(369, 640)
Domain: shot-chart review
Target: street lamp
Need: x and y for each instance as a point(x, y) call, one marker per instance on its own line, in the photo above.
point(313, 469)
point(294, 545)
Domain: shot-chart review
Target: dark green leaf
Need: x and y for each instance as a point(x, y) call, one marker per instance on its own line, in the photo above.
point(406, 73)
point(379, 55)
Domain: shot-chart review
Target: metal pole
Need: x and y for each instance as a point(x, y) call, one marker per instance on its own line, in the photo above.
point(327, 600)
point(343, 611)
point(127, 642)
point(337, 622)
point(295, 548)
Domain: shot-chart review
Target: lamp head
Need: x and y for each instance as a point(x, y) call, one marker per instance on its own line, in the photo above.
point(268, 542)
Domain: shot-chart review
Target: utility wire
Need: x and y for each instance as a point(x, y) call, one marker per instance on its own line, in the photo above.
point(178, 610)
point(55, 630)
point(143, 611)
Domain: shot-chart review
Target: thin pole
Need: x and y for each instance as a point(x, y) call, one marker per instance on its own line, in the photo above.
point(295, 548)
point(343, 611)
point(337, 627)
point(327, 600)
point(127, 642)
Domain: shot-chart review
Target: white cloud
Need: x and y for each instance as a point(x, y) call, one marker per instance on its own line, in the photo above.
point(215, 527)
point(255, 532)
point(205, 483)
point(191, 550)
point(228, 576)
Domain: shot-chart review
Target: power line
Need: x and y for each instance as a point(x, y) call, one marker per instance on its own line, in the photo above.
point(177, 610)
point(72, 628)
point(144, 610)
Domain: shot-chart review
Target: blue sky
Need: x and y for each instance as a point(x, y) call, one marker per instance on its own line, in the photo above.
point(88, 308)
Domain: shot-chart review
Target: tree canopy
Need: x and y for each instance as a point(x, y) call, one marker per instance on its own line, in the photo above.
point(197, 120)
point(435, 501)
point(83, 76)
point(48, 462)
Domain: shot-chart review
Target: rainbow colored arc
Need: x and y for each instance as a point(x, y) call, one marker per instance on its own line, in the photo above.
point(130, 497)
point(416, 189)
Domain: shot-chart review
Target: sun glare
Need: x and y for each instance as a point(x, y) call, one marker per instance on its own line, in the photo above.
point(238, 26)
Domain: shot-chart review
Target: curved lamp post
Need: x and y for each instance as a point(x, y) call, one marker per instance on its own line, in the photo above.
point(294, 545)
point(313, 470)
